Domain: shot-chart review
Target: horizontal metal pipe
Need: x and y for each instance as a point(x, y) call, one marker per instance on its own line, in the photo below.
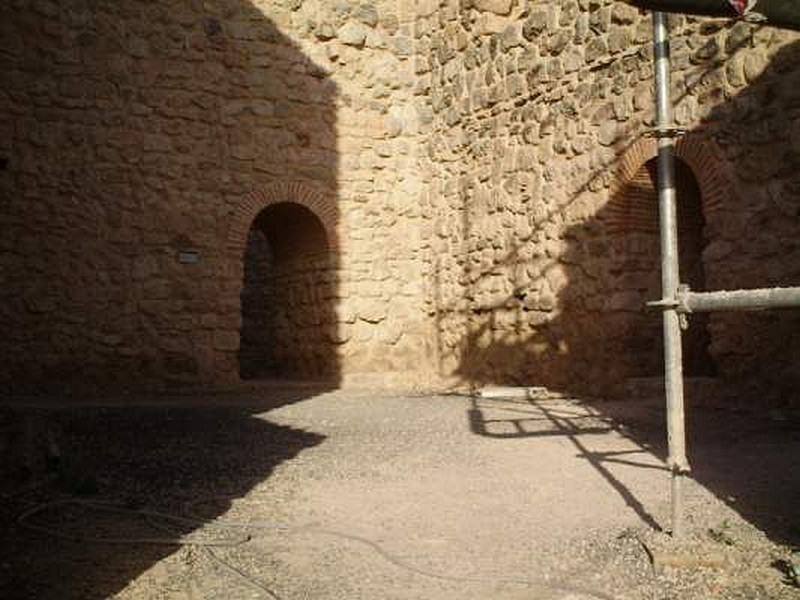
point(758, 299)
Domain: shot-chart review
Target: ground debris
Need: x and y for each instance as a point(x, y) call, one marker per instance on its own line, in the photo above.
point(447, 498)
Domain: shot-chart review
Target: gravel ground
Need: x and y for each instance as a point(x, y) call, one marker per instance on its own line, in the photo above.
point(294, 494)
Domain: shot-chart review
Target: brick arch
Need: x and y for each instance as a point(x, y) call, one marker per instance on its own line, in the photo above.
point(322, 205)
point(700, 155)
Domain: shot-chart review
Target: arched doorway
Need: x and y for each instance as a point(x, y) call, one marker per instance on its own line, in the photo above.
point(287, 295)
point(697, 360)
point(633, 225)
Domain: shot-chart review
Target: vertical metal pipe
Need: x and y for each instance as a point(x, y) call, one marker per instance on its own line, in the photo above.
point(670, 278)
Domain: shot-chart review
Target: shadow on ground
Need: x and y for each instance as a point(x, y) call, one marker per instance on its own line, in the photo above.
point(180, 114)
point(596, 334)
point(744, 459)
point(182, 460)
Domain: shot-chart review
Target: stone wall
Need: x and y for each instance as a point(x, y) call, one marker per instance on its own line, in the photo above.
point(140, 140)
point(539, 116)
point(476, 165)
point(291, 334)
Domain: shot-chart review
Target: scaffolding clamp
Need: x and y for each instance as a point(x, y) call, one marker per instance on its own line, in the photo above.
point(664, 304)
point(681, 295)
point(665, 131)
point(678, 302)
point(679, 466)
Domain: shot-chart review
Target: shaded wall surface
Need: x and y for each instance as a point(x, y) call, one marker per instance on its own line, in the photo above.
point(540, 112)
point(631, 224)
point(140, 141)
point(466, 160)
point(288, 326)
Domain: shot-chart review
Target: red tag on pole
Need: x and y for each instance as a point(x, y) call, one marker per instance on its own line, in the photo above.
point(743, 6)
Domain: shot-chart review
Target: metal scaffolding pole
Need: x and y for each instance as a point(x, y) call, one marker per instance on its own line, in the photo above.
point(678, 300)
point(670, 279)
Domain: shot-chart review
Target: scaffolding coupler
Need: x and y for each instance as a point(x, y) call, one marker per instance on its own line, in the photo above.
point(665, 131)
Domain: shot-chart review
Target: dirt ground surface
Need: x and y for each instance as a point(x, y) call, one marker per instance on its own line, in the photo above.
point(298, 493)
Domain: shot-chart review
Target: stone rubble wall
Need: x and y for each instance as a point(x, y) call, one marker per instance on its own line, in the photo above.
point(288, 329)
point(467, 158)
point(538, 115)
point(382, 330)
point(136, 133)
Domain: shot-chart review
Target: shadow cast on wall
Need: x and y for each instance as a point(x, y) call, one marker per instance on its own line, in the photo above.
point(584, 328)
point(182, 126)
point(146, 140)
point(595, 332)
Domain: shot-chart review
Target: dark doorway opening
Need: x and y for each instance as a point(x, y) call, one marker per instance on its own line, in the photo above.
point(287, 297)
point(697, 361)
point(632, 220)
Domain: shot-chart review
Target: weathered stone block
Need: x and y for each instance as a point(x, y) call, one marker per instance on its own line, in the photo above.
point(624, 14)
point(353, 34)
point(499, 7)
point(367, 13)
point(754, 64)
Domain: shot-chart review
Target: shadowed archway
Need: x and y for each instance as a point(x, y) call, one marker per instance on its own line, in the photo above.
point(287, 294)
point(186, 120)
point(631, 221)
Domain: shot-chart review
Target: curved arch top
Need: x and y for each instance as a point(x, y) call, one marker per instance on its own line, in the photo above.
point(702, 157)
point(322, 205)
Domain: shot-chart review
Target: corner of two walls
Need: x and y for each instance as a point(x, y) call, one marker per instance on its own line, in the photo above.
point(469, 155)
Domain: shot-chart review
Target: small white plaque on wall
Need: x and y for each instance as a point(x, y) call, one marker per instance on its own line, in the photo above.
point(188, 257)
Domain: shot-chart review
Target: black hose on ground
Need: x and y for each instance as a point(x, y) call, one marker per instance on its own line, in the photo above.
point(25, 520)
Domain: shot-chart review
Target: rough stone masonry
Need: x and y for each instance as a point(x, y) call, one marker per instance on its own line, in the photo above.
point(396, 192)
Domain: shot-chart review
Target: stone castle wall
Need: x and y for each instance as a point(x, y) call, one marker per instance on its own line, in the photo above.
point(540, 247)
point(139, 133)
point(479, 168)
